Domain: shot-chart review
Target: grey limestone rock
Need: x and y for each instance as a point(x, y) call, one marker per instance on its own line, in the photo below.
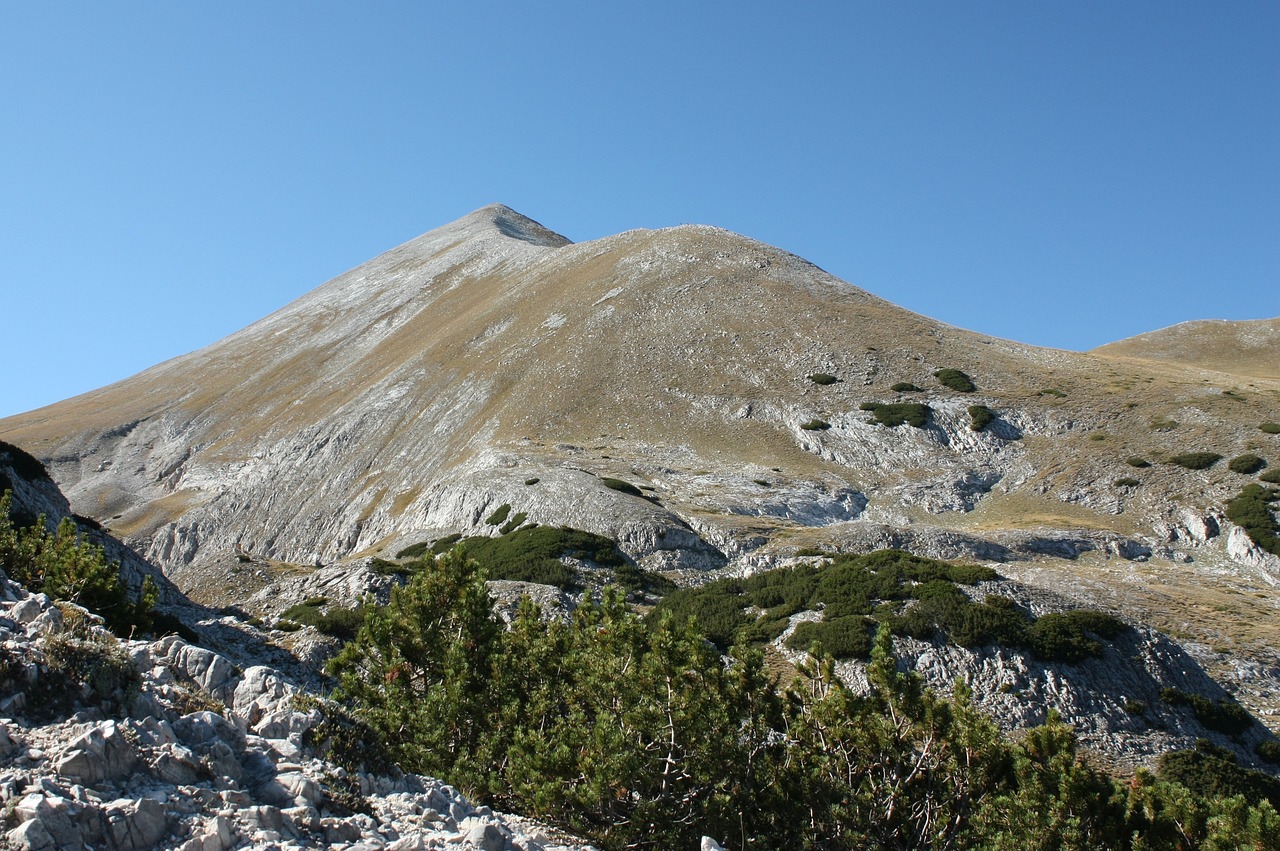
point(136, 825)
point(102, 753)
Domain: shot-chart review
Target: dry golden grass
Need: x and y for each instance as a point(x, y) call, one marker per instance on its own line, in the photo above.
point(1242, 348)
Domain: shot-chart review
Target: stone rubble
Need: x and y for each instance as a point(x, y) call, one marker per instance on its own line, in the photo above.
point(236, 773)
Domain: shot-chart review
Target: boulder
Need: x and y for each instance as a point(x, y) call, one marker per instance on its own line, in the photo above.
point(291, 788)
point(101, 753)
point(55, 813)
point(31, 836)
point(136, 825)
point(200, 730)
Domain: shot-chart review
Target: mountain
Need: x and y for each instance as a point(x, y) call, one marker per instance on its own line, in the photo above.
point(492, 362)
point(1249, 349)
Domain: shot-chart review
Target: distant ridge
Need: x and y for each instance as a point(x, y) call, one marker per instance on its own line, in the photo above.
point(1248, 347)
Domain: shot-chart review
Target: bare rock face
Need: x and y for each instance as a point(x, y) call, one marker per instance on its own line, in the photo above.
point(1245, 551)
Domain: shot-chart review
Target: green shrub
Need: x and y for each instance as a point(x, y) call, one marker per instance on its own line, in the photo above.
point(897, 413)
point(906, 387)
point(1064, 636)
point(1251, 511)
point(1138, 461)
point(287, 625)
point(632, 578)
point(1212, 771)
point(533, 553)
point(516, 521)
point(342, 623)
point(1271, 477)
point(65, 565)
point(1135, 707)
point(1163, 424)
point(443, 545)
point(391, 568)
point(996, 620)
point(1052, 391)
point(1246, 464)
point(980, 416)
point(92, 670)
point(302, 614)
point(823, 378)
point(1127, 482)
point(24, 463)
point(848, 585)
point(1270, 428)
point(1196, 460)
point(955, 380)
point(815, 425)
point(532, 480)
point(416, 550)
point(847, 637)
point(1268, 751)
point(499, 515)
point(636, 733)
point(621, 486)
point(1224, 716)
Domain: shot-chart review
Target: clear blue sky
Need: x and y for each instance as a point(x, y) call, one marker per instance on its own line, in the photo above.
point(1061, 173)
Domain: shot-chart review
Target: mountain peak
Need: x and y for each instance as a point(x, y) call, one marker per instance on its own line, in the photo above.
point(514, 225)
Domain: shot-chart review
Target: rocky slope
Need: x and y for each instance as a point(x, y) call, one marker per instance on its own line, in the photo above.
point(167, 745)
point(492, 362)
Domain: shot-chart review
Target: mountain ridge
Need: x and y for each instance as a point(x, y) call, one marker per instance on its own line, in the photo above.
point(491, 362)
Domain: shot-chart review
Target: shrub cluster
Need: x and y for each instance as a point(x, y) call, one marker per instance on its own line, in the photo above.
point(1246, 464)
point(66, 566)
point(912, 596)
point(896, 413)
point(337, 621)
point(637, 733)
point(1224, 716)
point(955, 380)
point(823, 378)
point(499, 515)
point(980, 416)
point(1211, 771)
point(1251, 510)
point(1138, 461)
point(815, 425)
point(1270, 428)
point(906, 387)
point(89, 670)
point(621, 486)
point(1196, 460)
point(23, 463)
point(514, 523)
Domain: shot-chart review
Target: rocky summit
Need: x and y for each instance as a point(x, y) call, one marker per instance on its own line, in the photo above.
point(712, 406)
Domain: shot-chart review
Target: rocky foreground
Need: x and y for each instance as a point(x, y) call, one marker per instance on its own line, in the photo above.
point(193, 753)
